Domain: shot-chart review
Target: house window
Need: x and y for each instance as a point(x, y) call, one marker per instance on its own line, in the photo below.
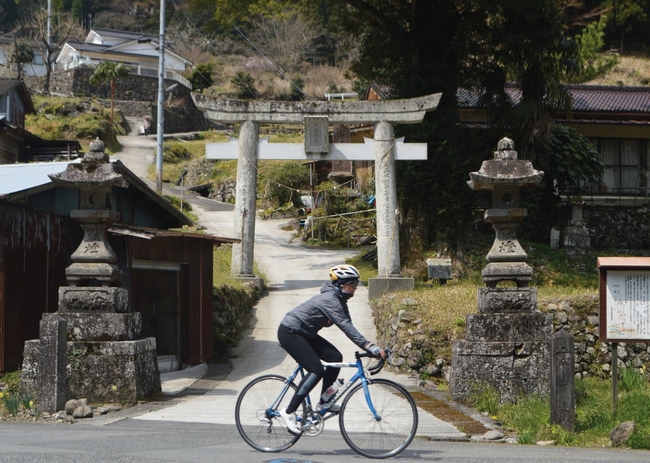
point(3, 105)
point(626, 165)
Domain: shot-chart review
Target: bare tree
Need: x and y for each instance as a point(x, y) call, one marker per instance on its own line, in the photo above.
point(285, 40)
point(63, 28)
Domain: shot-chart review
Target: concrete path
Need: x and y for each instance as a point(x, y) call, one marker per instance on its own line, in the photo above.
point(294, 273)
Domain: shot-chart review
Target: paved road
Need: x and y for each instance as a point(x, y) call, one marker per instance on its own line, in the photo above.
point(194, 423)
point(156, 441)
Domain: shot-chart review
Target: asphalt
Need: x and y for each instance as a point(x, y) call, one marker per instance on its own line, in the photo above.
point(293, 273)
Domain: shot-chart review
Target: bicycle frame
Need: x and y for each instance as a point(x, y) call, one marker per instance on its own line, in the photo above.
point(360, 374)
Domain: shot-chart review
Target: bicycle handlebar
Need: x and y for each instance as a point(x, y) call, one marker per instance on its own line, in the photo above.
point(376, 368)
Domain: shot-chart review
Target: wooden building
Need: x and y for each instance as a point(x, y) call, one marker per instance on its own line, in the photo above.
point(168, 273)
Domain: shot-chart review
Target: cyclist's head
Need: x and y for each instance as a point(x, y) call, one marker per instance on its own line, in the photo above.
point(344, 274)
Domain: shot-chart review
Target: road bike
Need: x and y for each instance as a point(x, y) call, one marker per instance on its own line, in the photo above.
point(378, 417)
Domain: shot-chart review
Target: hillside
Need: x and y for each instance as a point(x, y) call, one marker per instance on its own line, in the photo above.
point(630, 71)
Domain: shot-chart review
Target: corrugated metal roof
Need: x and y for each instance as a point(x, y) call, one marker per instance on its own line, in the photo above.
point(15, 178)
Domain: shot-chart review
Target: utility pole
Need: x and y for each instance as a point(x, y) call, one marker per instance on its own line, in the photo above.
point(161, 100)
point(49, 31)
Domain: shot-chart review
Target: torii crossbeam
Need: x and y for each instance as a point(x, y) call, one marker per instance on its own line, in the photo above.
point(384, 149)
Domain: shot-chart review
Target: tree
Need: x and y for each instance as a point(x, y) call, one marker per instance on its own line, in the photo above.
point(201, 77)
point(626, 12)
point(62, 28)
point(111, 72)
point(418, 47)
point(285, 39)
point(19, 53)
point(245, 85)
point(8, 15)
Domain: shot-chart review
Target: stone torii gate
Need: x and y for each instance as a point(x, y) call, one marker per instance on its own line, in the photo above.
point(316, 116)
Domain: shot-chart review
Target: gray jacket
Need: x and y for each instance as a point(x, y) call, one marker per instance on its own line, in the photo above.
point(322, 311)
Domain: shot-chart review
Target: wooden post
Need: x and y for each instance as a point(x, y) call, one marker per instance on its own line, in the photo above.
point(614, 376)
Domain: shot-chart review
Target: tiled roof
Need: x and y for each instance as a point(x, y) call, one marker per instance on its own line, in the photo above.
point(586, 98)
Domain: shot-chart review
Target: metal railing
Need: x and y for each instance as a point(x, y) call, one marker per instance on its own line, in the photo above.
point(135, 69)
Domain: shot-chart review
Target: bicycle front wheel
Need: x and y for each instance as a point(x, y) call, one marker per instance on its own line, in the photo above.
point(393, 429)
point(258, 421)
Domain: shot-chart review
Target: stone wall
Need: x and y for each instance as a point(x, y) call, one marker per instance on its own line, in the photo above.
point(579, 316)
point(233, 311)
point(224, 192)
point(135, 96)
point(620, 228)
point(415, 348)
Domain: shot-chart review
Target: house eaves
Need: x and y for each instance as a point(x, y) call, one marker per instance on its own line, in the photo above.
point(136, 181)
point(127, 35)
point(609, 104)
point(152, 233)
point(108, 51)
point(19, 181)
point(8, 84)
point(116, 49)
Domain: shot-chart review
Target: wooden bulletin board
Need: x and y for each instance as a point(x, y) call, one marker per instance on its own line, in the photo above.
point(624, 290)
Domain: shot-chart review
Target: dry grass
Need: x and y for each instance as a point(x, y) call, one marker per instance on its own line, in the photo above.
point(269, 84)
point(629, 71)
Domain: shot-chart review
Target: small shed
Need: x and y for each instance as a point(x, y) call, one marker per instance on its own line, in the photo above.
point(168, 272)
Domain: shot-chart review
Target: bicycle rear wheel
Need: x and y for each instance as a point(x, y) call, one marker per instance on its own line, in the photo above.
point(258, 423)
point(392, 432)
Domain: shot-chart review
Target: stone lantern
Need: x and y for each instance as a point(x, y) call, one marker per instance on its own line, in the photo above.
point(93, 271)
point(92, 346)
point(504, 176)
point(507, 344)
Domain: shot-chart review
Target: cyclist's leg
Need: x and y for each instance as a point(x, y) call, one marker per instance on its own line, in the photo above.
point(328, 353)
point(299, 347)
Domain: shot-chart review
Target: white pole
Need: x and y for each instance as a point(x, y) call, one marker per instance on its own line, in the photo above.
point(161, 101)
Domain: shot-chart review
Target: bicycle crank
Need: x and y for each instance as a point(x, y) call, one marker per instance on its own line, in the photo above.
point(314, 424)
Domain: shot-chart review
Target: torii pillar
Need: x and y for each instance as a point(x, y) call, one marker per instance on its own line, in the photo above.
point(317, 116)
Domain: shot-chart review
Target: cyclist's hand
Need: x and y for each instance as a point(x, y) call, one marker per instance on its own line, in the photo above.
point(376, 351)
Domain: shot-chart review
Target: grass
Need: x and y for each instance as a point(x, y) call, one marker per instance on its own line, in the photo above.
point(530, 416)
point(59, 119)
point(221, 268)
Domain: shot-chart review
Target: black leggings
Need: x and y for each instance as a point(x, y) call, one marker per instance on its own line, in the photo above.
point(309, 352)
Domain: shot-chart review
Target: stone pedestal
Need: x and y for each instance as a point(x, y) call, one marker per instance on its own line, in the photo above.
point(379, 286)
point(507, 346)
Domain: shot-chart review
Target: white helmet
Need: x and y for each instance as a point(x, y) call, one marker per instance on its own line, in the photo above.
point(344, 272)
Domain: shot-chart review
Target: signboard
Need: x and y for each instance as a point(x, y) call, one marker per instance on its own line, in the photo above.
point(624, 299)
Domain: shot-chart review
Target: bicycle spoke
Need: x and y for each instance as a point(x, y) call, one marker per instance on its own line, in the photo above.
point(261, 429)
point(386, 436)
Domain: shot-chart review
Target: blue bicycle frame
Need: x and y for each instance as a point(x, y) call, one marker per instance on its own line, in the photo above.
point(359, 375)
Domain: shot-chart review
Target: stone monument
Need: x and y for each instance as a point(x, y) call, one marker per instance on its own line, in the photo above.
point(507, 344)
point(106, 360)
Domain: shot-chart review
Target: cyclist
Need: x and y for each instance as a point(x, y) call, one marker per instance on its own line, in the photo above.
point(298, 335)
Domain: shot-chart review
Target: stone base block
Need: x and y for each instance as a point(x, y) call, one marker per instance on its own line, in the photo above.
point(507, 300)
point(254, 280)
point(520, 327)
point(519, 272)
point(439, 269)
point(512, 369)
point(84, 299)
point(379, 286)
point(103, 326)
point(102, 372)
